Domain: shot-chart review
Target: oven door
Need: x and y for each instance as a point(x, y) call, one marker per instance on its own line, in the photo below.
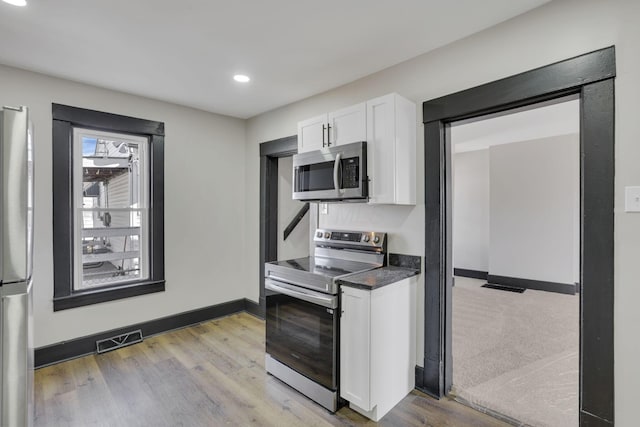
point(335, 173)
point(302, 331)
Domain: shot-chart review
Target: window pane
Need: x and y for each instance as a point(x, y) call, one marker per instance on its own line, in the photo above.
point(111, 199)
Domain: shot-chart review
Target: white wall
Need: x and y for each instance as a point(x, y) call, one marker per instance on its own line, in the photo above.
point(297, 244)
point(553, 32)
point(471, 210)
point(533, 215)
point(204, 206)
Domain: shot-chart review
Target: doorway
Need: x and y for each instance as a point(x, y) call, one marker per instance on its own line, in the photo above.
point(516, 245)
point(591, 78)
point(278, 217)
point(293, 217)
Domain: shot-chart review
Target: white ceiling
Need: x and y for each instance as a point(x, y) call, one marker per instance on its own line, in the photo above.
point(542, 121)
point(187, 51)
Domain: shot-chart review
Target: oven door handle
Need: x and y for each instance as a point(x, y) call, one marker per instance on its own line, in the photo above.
point(314, 298)
point(281, 280)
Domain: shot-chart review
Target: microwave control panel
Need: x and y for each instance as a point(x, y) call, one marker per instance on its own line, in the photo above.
point(350, 173)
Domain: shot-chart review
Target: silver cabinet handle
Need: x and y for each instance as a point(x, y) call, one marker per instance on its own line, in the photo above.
point(327, 301)
point(323, 129)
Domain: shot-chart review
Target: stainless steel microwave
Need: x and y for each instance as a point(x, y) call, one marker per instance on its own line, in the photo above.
point(332, 174)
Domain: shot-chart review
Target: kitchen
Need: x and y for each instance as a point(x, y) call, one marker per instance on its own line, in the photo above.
point(232, 216)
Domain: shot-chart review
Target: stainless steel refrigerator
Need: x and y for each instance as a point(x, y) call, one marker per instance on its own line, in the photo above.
point(16, 249)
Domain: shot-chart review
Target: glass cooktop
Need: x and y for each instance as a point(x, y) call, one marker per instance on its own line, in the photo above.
point(329, 267)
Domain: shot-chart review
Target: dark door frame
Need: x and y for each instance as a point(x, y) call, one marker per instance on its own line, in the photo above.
point(591, 76)
point(270, 152)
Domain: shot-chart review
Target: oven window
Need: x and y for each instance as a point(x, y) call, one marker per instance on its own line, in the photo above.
point(315, 177)
point(303, 336)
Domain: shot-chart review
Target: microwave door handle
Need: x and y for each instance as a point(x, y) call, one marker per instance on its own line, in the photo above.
point(337, 166)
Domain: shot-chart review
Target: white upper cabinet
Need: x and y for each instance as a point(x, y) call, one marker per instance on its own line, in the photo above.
point(391, 150)
point(348, 125)
point(388, 124)
point(331, 129)
point(312, 133)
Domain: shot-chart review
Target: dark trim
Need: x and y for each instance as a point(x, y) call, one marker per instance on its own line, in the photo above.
point(590, 420)
point(268, 217)
point(80, 299)
point(419, 373)
point(597, 260)
point(473, 274)
point(86, 345)
point(156, 211)
point(435, 304)
point(65, 118)
point(562, 77)
point(82, 117)
point(282, 147)
point(270, 151)
point(253, 308)
point(590, 76)
point(539, 285)
point(296, 220)
point(62, 207)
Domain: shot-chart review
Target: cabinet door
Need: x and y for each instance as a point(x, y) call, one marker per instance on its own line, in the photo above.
point(312, 133)
point(348, 125)
point(355, 346)
point(381, 149)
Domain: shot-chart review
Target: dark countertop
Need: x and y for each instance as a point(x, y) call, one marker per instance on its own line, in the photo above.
point(374, 279)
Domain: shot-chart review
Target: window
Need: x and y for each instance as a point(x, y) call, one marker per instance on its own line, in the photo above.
point(110, 199)
point(108, 206)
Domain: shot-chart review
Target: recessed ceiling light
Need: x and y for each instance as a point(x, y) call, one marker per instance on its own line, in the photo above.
point(241, 78)
point(16, 2)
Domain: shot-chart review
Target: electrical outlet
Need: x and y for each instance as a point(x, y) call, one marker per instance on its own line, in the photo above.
point(632, 199)
point(324, 208)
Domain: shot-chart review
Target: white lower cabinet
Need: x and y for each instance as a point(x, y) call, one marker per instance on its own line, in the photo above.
point(377, 346)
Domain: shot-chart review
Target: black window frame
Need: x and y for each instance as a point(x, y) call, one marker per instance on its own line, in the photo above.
point(65, 119)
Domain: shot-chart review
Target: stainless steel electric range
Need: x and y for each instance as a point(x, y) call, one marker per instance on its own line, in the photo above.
point(303, 310)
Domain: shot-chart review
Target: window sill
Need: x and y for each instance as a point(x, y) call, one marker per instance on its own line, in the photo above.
point(80, 299)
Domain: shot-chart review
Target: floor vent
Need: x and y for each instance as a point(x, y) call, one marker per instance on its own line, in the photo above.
point(119, 341)
point(503, 288)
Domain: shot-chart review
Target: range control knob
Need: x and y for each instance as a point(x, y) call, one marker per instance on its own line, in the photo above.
point(376, 239)
point(366, 238)
point(327, 235)
point(319, 234)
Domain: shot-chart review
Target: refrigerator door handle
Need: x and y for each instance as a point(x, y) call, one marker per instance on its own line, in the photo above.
point(16, 360)
point(15, 194)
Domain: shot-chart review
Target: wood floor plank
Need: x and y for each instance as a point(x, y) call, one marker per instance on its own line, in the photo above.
point(92, 394)
point(210, 374)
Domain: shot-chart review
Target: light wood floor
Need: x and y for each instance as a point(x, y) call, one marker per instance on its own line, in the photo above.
point(211, 374)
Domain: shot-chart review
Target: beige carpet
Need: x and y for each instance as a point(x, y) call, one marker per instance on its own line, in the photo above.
point(517, 354)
